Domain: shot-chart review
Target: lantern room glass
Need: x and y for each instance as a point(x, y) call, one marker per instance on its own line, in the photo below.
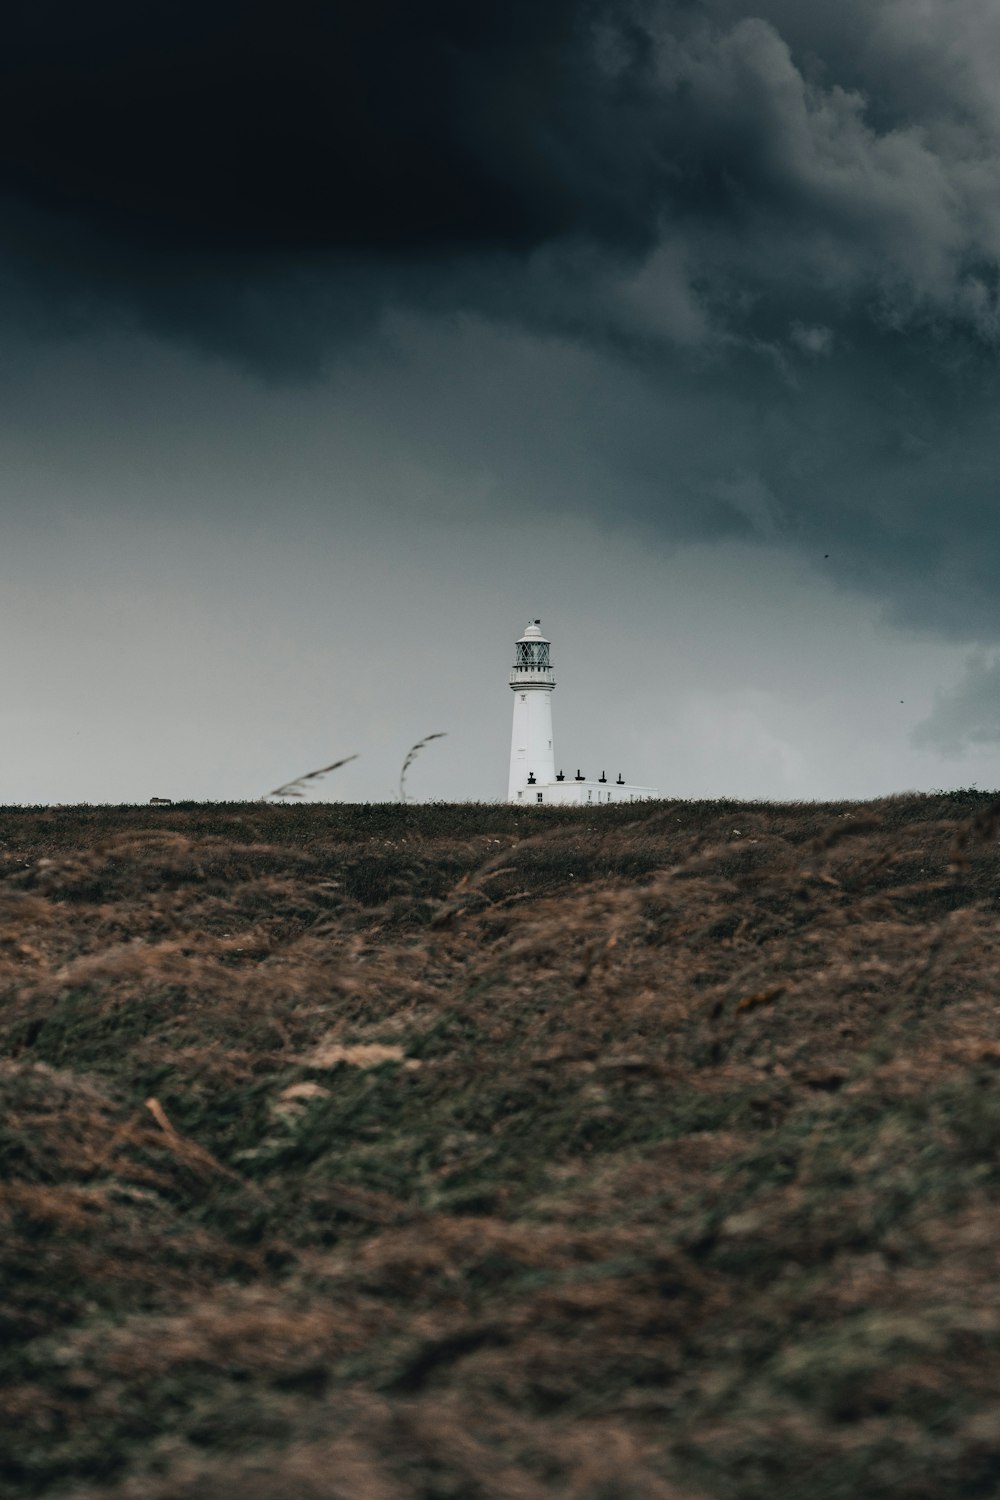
point(532, 656)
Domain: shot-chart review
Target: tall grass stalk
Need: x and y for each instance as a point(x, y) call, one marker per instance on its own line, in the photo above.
point(411, 756)
point(296, 788)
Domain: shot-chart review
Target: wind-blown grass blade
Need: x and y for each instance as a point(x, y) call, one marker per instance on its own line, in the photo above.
point(411, 756)
point(295, 788)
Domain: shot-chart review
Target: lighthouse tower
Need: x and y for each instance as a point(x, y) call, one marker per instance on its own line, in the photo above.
point(533, 777)
point(532, 761)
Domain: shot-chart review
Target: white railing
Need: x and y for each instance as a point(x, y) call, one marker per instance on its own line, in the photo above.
point(532, 677)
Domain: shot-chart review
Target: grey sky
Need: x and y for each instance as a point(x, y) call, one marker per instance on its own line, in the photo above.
point(675, 325)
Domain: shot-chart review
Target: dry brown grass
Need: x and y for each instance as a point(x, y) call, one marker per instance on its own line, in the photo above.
point(458, 1152)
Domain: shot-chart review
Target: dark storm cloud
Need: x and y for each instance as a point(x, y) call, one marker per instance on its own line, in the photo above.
point(261, 180)
point(777, 170)
point(783, 220)
point(368, 125)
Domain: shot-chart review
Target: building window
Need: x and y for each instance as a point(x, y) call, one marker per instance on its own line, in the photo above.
point(538, 796)
point(520, 794)
point(590, 796)
point(524, 697)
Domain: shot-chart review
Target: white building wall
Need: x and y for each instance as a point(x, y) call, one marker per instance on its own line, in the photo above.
point(573, 793)
point(531, 739)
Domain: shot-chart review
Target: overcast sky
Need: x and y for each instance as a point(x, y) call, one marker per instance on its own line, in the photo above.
point(340, 339)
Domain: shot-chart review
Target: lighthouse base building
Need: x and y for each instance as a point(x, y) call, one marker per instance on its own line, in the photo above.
point(533, 777)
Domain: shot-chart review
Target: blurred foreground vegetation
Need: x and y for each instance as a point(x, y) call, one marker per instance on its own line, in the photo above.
point(363, 1153)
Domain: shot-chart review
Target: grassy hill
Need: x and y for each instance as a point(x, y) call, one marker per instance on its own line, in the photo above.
point(364, 1153)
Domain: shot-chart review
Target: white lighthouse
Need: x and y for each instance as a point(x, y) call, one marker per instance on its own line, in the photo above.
point(533, 776)
point(532, 679)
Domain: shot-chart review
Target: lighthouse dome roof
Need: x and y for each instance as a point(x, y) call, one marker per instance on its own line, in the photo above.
point(533, 631)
